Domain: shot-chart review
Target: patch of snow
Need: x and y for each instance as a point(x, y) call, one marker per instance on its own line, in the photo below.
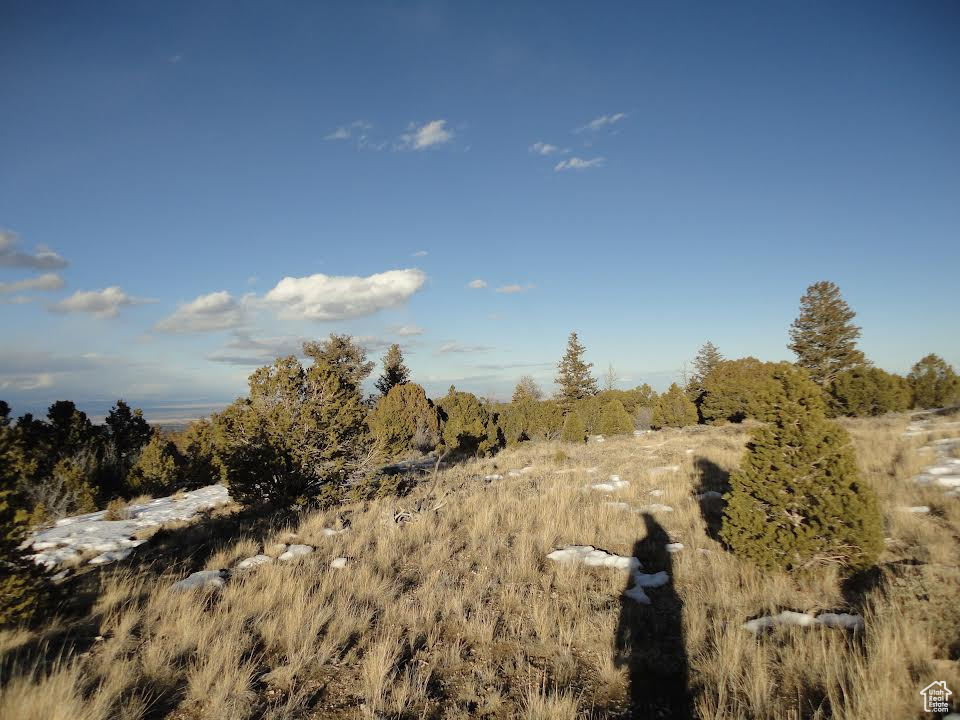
point(330, 532)
point(591, 470)
point(637, 594)
point(514, 473)
point(338, 563)
point(654, 580)
point(950, 481)
point(111, 556)
point(591, 557)
point(612, 485)
point(789, 617)
point(495, 477)
point(295, 551)
point(72, 536)
point(655, 508)
point(203, 579)
point(598, 438)
point(921, 509)
point(663, 469)
point(254, 562)
point(655, 493)
point(673, 547)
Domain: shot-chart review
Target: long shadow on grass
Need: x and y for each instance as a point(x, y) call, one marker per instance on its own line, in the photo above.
point(712, 482)
point(650, 639)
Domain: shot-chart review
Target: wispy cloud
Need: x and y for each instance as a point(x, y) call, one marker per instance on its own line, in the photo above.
point(420, 253)
point(246, 350)
point(513, 365)
point(477, 284)
point(576, 163)
point(455, 347)
point(358, 128)
point(43, 259)
point(514, 288)
point(207, 313)
point(47, 282)
point(101, 303)
point(421, 137)
point(542, 148)
point(407, 330)
point(604, 121)
point(330, 297)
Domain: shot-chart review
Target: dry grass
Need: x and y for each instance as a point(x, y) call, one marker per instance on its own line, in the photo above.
point(458, 613)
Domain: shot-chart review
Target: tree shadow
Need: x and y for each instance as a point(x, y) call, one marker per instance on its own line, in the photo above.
point(712, 483)
point(650, 638)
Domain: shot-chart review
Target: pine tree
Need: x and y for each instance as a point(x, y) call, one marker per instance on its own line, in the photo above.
point(574, 378)
point(343, 356)
point(674, 409)
point(574, 431)
point(615, 420)
point(797, 499)
point(394, 371)
point(708, 358)
point(823, 336)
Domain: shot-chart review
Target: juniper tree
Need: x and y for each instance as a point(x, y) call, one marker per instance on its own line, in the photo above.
point(823, 336)
point(863, 391)
point(18, 576)
point(933, 383)
point(674, 409)
point(574, 431)
point(573, 378)
point(797, 499)
point(395, 372)
point(468, 425)
point(615, 420)
point(404, 419)
point(342, 355)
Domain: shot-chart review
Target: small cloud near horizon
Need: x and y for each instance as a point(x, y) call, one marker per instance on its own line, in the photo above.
point(455, 347)
point(514, 289)
point(601, 122)
point(104, 303)
point(422, 137)
point(43, 259)
point(576, 163)
point(477, 284)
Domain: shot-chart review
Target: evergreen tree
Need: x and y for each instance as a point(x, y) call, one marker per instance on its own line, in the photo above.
point(868, 391)
point(823, 336)
point(574, 379)
point(394, 371)
point(18, 576)
point(158, 469)
point(405, 420)
point(933, 383)
point(615, 420)
point(708, 358)
point(468, 425)
point(527, 389)
point(797, 499)
point(734, 389)
point(343, 356)
point(674, 409)
point(574, 431)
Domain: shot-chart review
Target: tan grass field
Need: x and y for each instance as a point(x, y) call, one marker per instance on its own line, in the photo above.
point(457, 613)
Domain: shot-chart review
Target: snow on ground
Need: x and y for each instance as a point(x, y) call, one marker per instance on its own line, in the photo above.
point(202, 579)
point(945, 471)
point(254, 562)
point(655, 508)
point(522, 471)
point(338, 563)
point(591, 557)
point(71, 537)
point(295, 551)
point(663, 469)
point(788, 617)
point(673, 547)
point(612, 485)
point(920, 509)
point(493, 477)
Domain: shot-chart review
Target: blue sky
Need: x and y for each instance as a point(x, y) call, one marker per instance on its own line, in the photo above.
point(652, 175)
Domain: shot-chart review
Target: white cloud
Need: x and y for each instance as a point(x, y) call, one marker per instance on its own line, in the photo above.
point(602, 122)
point(330, 297)
point(542, 148)
point(46, 282)
point(43, 259)
point(514, 289)
point(576, 163)
point(477, 284)
point(420, 253)
point(246, 350)
point(358, 129)
point(407, 330)
point(207, 313)
point(455, 347)
point(101, 303)
point(425, 136)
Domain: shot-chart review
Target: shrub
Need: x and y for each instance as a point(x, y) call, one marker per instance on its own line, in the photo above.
point(301, 433)
point(797, 499)
point(468, 426)
point(528, 419)
point(674, 409)
point(197, 448)
point(19, 582)
point(728, 393)
point(865, 391)
point(157, 470)
point(403, 420)
point(933, 383)
point(574, 430)
point(615, 420)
